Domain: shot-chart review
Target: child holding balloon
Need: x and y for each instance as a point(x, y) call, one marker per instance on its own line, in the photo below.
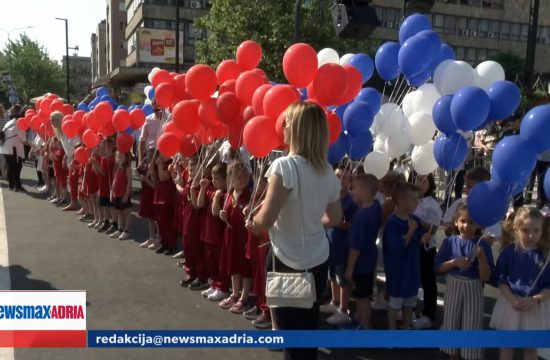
point(120, 195)
point(467, 261)
point(523, 277)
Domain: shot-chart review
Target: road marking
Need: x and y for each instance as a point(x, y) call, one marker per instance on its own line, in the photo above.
point(5, 281)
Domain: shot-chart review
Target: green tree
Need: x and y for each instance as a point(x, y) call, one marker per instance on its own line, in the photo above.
point(514, 65)
point(32, 71)
point(271, 24)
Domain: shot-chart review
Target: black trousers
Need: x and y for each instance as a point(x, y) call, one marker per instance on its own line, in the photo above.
point(288, 318)
point(429, 282)
point(15, 165)
point(540, 169)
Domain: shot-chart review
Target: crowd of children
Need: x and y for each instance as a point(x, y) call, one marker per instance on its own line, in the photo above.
point(201, 205)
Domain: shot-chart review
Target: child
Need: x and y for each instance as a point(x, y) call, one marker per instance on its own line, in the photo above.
point(90, 187)
point(401, 251)
point(163, 199)
point(146, 206)
point(468, 262)
point(213, 232)
point(120, 195)
point(523, 304)
point(233, 259)
point(361, 264)
point(338, 251)
point(105, 171)
point(60, 173)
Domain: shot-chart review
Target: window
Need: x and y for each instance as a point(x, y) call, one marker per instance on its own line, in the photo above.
point(472, 26)
point(450, 24)
point(545, 35)
point(483, 27)
point(524, 32)
point(193, 33)
point(438, 21)
point(516, 30)
point(505, 30)
point(481, 55)
point(459, 53)
point(470, 54)
point(495, 28)
point(158, 24)
point(491, 54)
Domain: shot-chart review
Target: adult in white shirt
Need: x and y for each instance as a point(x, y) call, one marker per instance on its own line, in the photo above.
point(302, 197)
point(14, 153)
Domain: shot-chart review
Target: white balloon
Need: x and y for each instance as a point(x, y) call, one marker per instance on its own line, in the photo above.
point(147, 89)
point(380, 143)
point(451, 75)
point(327, 56)
point(344, 60)
point(425, 98)
point(488, 72)
point(147, 102)
point(382, 116)
point(423, 160)
point(153, 70)
point(420, 127)
point(377, 163)
point(397, 144)
point(393, 120)
point(407, 104)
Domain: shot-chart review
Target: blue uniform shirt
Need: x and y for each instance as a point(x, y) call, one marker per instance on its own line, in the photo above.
point(364, 230)
point(455, 247)
point(338, 238)
point(401, 262)
point(518, 268)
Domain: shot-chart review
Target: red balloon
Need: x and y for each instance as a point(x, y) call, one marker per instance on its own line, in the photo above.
point(121, 120)
point(90, 138)
point(202, 136)
point(81, 155)
point(330, 83)
point(22, 124)
point(208, 113)
point(43, 116)
point(52, 97)
point(249, 55)
point(261, 74)
point(259, 136)
point(137, 118)
point(300, 64)
point(172, 129)
point(334, 126)
point(124, 142)
point(278, 98)
point(108, 129)
point(355, 83)
point(246, 85)
point(67, 109)
point(35, 123)
point(200, 81)
point(228, 86)
point(248, 113)
point(185, 115)
point(103, 112)
point(229, 108)
point(179, 86)
point(188, 145)
point(48, 130)
point(70, 128)
point(258, 98)
point(159, 77)
point(164, 94)
point(168, 144)
point(78, 117)
point(29, 112)
point(66, 118)
point(46, 106)
point(92, 121)
point(57, 105)
point(235, 134)
point(218, 132)
point(227, 70)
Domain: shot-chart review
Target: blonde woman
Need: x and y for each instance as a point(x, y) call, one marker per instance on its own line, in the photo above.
point(303, 197)
point(13, 151)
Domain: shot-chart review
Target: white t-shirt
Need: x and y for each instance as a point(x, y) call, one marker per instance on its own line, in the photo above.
point(492, 231)
point(14, 138)
point(317, 191)
point(428, 210)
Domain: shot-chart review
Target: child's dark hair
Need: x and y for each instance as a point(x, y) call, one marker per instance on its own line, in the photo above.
point(367, 180)
point(478, 174)
point(391, 178)
point(461, 209)
point(400, 189)
point(432, 187)
point(193, 159)
point(220, 169)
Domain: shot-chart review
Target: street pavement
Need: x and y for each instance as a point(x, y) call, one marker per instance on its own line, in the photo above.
point(129, 287)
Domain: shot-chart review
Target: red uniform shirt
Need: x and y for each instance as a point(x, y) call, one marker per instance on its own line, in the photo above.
point(120, 183)
point(214, 227)
point(106, 180)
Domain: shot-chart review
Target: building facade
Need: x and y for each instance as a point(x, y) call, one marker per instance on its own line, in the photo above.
point(115, 39)
point(477, 29)
point(99, 53)
point(80, 76)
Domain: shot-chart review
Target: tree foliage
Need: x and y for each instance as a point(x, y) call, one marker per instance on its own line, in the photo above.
point(271, 24)
point(32, 71)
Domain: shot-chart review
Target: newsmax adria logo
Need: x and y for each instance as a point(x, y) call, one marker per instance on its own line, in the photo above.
point(41, 312)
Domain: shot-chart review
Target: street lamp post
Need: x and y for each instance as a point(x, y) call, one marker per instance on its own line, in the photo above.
point(16, 29)
point(67, 55)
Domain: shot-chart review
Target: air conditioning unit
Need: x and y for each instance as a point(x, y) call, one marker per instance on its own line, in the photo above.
point(465, 32)
point(473, 33)
point(195, 4)
point(491, 35)
point(390, 25)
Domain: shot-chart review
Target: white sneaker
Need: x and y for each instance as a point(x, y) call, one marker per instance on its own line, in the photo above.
point(178, 255)
point(422, 322)
point(124, 236)
point(379, 303)
point(116, 234)
point(420, 295)
point(339, 318)
point(330, 308)
point(155, 245)
point(218, 295)
point(42, 189)
point(208, 291)
point(145, 244)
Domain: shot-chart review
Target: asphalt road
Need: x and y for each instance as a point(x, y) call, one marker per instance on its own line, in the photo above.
point(129, 287)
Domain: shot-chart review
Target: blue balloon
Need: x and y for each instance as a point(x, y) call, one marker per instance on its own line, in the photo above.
point(338, 149)
point(514, 159)
point(358, 118)
point(536, 127)
point(415, 55)
point(386, 60)
point(82, 106)
point(420, 79)
point(470, 107)
point(106, 98)
point(138, 107)
point(303, 94)
point(151, 94)
point(512, 189)
point(94, 102)
point(547, 184)
point(450, 151)
point(129, 130)
point(123, 107)
point(360, 145)
point(505, 97)
point(340, 110)
point(147, 109)
point(441, 114)
point(445, 53)
point(412, 25)
point(364, 64)
point(101, 91)
point(487, 203)
point(433, 38)
point(372, 97)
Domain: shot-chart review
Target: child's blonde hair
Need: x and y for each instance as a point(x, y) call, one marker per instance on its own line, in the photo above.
point(513, 223)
